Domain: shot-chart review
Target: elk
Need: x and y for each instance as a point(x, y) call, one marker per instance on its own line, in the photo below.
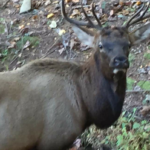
point(47, 103)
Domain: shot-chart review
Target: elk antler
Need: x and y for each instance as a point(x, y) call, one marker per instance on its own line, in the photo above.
point(98, 21)
point(89, 23)
point(132, 21)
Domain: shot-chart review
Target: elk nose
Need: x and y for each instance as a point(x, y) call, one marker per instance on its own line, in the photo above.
point(121, 62)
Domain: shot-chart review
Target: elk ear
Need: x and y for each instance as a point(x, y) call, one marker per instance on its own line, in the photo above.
point(140, 34)
point(86, 36)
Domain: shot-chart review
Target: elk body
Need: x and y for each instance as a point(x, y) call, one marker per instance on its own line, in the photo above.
point(47, 103)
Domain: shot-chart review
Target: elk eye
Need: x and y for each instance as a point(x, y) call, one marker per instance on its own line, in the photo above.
point(100, 46)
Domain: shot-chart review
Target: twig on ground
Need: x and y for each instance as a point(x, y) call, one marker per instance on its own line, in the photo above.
point(4, 5)
point(50, 52)
point(6, 25)
point(137, 117)
point(134, 91)
point(79, 6)
point(13, 60)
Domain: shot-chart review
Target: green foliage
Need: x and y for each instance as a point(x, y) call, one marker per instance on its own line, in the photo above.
point(103, 5)
point(105, 24)
point(34, 41)
point(124, 22)
point(130, 83)
point(127, 134)
point(10, 54)
point(131, 58)
point(132, 135)
point(4, 52)
point(145, 85)
point(136, 125)
point(2, 28)
point(2, 19)
point(147, 55)
point(48, 22)
point(131, 9)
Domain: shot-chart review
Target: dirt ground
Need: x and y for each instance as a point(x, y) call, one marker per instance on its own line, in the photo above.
point(25, 37)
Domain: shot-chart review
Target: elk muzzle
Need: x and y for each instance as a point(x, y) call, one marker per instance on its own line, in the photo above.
point(118, 64)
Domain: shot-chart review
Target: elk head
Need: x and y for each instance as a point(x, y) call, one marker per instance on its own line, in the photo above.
point(111, 43)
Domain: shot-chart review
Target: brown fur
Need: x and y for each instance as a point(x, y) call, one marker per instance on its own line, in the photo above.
point(47, 103)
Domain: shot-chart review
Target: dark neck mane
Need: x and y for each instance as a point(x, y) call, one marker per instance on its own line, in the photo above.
point(103, 97)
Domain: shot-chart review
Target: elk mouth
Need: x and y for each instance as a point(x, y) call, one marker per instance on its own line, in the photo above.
point(119, 73)
point(119, 65)
point(117, 70)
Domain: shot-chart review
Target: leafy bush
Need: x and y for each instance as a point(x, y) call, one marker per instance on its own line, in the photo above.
point(126, 134)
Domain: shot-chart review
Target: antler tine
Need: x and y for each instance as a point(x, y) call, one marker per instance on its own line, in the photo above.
point(72, 21)
point(142, 16)
point(128, 22)
point(98, 21)
point(90, 22)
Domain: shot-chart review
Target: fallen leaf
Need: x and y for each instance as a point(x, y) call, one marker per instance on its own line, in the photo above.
point(17, 6)
point(17, 39)
point(47, 2)
point(55, 2)
point(35, 17)
point(50, 15)
point(145, 110)
point(138, 3)
point(19, 63)
point(75, 12)
point(26, 45)
point(61, 32)
point(53, 24)
point(24, 30)
point(145, 20)
point(121, 2)
point(86, 9)
point(61, 51)
point(13, 44)
point(71, 16)
point(15, 21)
point(72, 43)
point(75, 1)
point(26, 6)
point(147, 127)
point(20, 55)
point(111, 12)
point(21, 26)
point(125, 12)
